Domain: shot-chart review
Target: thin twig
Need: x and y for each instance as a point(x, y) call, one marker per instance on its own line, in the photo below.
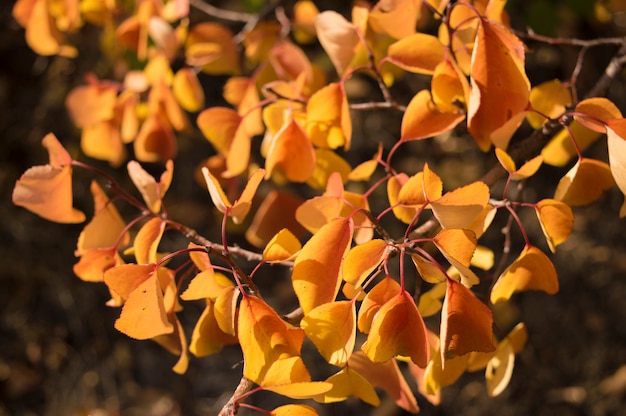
point(221, 13)
point(230, 408)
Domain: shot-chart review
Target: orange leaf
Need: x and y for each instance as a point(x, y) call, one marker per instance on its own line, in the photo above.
point(148, 239)
point(176, 343)
point(143, 315)
point(294, 410)
point(207, 337)
point(460, 207)
point(396, 18)
point(301, 390)
point(151, 191)
point(560, 149)
point(532, 270)
point(95, 261)
point(91, 104)
point(264, 338)
point(616, 139)
point(362, 260)
point(419, 53)
point(365, 170)
point(458, 247)
point(283, 246)
point(277, 211)
point(375, 298)
point(338, 37)
point(328, 123)
point(218, 125)
point(47, 190)
point(242, 206)
point(327, 163)
point(346, 383)
point(211, 45)
point(500, 88)
point(527, 170)
point(398, 329)
point(429, 271)
point(585, 182)
point(465, 323)
point(317, 211)
point(556, 219)
point(188, 90)
point(549, 99)
point(332, 328)
point(394, 186)
point(600, 110)
point(155, 141)
point(450, 88)
point(291, 152)
point(42, 33)
point(386, 376)
point(226, 308)
point(423, 119)
point(315, 275)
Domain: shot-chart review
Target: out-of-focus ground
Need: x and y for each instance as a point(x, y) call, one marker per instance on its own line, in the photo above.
point(59, 352)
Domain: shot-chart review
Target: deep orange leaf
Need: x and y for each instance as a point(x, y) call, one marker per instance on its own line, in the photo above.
point(277, 211)
point(423, 119)
point(398, 329)
point(315, 275)
point(466, 323)
point(291, 152)
point(90, 104)
point(95, 261)
point(532, 270)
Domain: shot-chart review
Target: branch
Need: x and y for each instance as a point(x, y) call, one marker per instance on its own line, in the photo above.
point(221, 13)
point(230, 408)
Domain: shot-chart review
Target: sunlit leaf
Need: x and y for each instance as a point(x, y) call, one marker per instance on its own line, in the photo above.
point(346, 383)
point(584, 183)
point(429, 271)
point(327, 163)
point(465, 323)
point(398, 329)
point(47, 190)
point(147, 240)
point(301, 390)
point(218, 125)
point(548, 99)
point(419, 52)
point(241, 207)
point(362, 260)
point(90, 104)
point(207, 337)
point(394, 186)
point(291, 152)
point(155, 141)
point(365, 170)
point(500, 369)
point(450, 88)
point(151, 191)
point(211, 45)
point(384, 291)
point(437, 375)
point(294, 410)
point(430, 301)
point(423, 119)
point(317, 211)
point(396, 18)
point(500, 88)
point(95, 261)
point(532, 270)
point(338, 37)
point(188, 90)
point(328, 122)
point(616, 134)
point(599, 110)
point(460, 207)
point(277, 211)
point(560, 150)
point(283, 246)
point(556, 219)
point(315, 275)
point(332, 328)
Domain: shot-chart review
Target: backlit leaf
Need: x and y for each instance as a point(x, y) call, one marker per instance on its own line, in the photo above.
point(277, 211)
point(386, 376)
point(465, 323)
point(188, 90)
point(584, 183)
point(47, 190)
point(332, 328)
point(315, 275)
point(362, 260)
point(95, 261)
point(430, 301)
point(294, 410)
point(365, 170)
point(384, 291)
point(301, 390)
point(560, 150)
point(460, 207)
point(450, 88)
point(532, 270)
point(394, 186)
point(396, 18)
point(317, 211)
point(419, 53)
point(437, 375)
point(338, 37)
point(328, 123)
point(549, 99)
point(327, 163)
point(226, 309)
point(147, 241)
point(151, 191)
point(429, 271)
point(423, 119)
point(241, 207)
point(398, 329)
point(616, 134)
point(211, 45)
point(500, 369)
point(283, 246)
point(218, 125)
point(286, 371)
point(600, 110)
point(556, 219)
point(500, 88)
point(207, 337)
point(155, 141)
point(291, 152)
point(346, 383)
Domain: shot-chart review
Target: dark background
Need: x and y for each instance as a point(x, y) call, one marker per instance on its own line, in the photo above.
point(59, 352)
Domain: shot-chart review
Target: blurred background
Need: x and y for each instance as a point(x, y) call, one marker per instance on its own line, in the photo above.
point(59, 352)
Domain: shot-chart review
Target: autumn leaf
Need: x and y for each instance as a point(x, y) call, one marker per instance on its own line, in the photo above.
point(219, 125)
point(450, 88)
point(283, 246)
point(291, 153)
point(398, 329)
point(364, 170)
point(277, 211)
point(362, 260)
point(328, 123)
point(147, 241)
point(548, 99)
point(155, 141)
point(386, 376)
point(264, 338)
point(47, 190)
point(458, 247)
point(419, 53)
point(527, 170)
point(384, 291)
point(315, 275)
point(241, 207)
point(532, 270)
point(294, 410)
point(437, 376)
point(560, 150)
point(151, 191)
point(143, 315)
point(397, 18)
point(500, 89)
point(584, 183)
point(332, 328)
point(430, 301)
point(616, 134)
point(595, 112)
point(211, 46)
point(338, 37)
point(460, 207)
point(556, 219)
point(207, 337)
point(188, 90)
point(346, 383)
point(500, 367)
point(466, 323)
point(422, 119)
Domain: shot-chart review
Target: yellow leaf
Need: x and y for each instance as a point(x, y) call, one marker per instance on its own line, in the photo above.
point(151, 191)
point(347, 383)
point(286, 371)
point(283, 246)
point(437, 376)
point(429, 271)
point(338, 37)
point(328, 122)
point(187, 90)
point(264, 338)
point(218, 125)
point(294, 410)
point(207, 337)
point(327, 163)
point(398, 329)
point(419, 53)
point(450, 88)
point(304, 13)
point(394, 186)
point(465, 323)
point(430, 301)
point(386, 376)
point(584, 183)
point(500, 88)
point(549, 99)
point(365, 170)
point(47, 190)
point(560, 149)
point(532, 270)
point(362, 260)
point(384, 291)
point(556, 219)
point(500, 369)
point(460, 207)
point(226, 308)
point(147, 240)
point(315, 275)
point(599, 110)
point(397, 18)
point(301, 390)
point(143, 315)
point(423, 119)
point(332, 329)
point(291, 152)
point(616, 139)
